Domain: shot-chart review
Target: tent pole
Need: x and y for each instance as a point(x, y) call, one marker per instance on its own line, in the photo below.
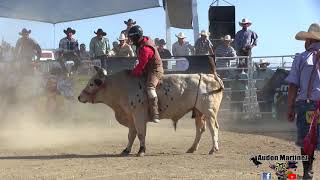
point(54, 35)
point(168, 29)
point(195, 21)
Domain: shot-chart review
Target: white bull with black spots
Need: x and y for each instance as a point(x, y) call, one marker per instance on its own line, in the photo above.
point(178, 94)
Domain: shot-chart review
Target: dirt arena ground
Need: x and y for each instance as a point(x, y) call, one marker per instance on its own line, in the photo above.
point(87, 147)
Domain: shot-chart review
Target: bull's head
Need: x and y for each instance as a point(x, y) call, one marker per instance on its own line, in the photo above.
point(93, 91)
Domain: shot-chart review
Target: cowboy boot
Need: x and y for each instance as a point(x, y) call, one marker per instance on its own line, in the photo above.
point(153, 109)
point(307, 167)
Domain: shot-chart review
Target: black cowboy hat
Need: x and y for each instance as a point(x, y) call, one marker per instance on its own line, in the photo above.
point(24, 31)
point(100, 31)
point(69, 29)
point(162, 42)
point(130, 21)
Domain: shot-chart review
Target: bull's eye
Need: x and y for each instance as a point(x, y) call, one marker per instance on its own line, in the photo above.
point(98, 82)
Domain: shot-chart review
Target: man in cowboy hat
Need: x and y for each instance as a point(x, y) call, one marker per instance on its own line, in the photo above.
point(26, 48)
point(99, 47)
point(181, 47)
point(123, 49)
point(203, 46)
point(245, 39)
point(262, 75)
point(69, 50)
point(150, 66)
point(304, 78)
point(129, 24)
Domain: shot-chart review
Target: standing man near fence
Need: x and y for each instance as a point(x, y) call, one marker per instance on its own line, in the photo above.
point(26, 49)
point(99, 47)
point(245, 40)
point(262, 75)
point(203, 46)
point(304, 78)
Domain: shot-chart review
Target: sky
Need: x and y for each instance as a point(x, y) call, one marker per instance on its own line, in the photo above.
point(275, 21)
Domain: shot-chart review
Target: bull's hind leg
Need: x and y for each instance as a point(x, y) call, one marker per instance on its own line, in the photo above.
point(141, 128)
point(200, 128)
point(211, 119)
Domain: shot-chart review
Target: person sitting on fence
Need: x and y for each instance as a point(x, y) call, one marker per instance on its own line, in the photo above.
point(262, 75)
point(203, 45)
point(26, 49)
point(239, 86)
point(181, 47)
point(99, 47)
point(123, 49)
point(245, 40)
point(163, 52)
point(224, 50)
point(69, 50)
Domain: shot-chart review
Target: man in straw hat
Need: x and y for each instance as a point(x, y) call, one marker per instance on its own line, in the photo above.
point(262, 75)
point(225, 50)
point(203, 46)
point(130, 23)
point(69, 50)
point(150, 66)
point(99, 47)
point(26, 48)
point(245, 39)
point(304, 78)
point(181, 47)
point(123, 49)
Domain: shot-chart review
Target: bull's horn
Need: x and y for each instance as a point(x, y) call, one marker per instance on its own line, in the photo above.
point(100, 70)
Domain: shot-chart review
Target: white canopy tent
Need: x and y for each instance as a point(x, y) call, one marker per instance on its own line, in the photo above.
point(59, 11)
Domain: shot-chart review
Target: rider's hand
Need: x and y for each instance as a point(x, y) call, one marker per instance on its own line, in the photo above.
point(291, 114)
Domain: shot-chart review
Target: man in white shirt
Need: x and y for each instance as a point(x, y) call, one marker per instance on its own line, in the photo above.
point(181, 47)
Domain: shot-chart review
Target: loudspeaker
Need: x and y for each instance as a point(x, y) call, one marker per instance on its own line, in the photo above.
point(221, 21)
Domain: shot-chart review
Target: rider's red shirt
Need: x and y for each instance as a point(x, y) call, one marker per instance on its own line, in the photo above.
point(146, 53)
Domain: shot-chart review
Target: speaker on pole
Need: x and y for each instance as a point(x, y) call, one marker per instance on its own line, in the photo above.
point(221, 21)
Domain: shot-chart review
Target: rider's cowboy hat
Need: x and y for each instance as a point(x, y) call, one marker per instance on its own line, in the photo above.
point(313, 33)
point(180, 35)
point(100, 31)
point(122, 37)
point(24, 31)
point(69, 29)
point(204, 33)
point(227, 38)
point(245, 21)
point(263, 61)
point(130, 21)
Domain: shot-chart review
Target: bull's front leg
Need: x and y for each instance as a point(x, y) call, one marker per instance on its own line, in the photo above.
point(131, 137)
point(141, 127)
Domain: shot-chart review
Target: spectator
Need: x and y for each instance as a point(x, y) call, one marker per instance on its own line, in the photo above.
point(84, 54)
point(245, 40)
point(164, 53)
point(181, 47)
point(129, 24)
point(26, 49)
point(69, 50)
point(156, 41)
point(239, 85)
point(99, 47)
point(262, 75)
point(115, 46)
point(203, 46)
point(123, 49)
point(224, 50)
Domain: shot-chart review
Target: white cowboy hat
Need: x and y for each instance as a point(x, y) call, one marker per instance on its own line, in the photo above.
point(180, 35)
point(227, 38)
point(204, 33)
point(245, 21)
point(122, 37)
point(263, 61)
point(313, 33)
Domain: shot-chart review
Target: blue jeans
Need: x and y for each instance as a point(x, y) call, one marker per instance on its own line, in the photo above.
point(302, 125)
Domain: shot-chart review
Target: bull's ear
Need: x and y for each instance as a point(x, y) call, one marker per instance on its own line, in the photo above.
point(100, 71)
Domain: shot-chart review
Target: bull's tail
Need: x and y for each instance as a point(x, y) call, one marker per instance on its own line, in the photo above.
point(174, 123)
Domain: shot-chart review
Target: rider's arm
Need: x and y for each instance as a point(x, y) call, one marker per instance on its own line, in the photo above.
point(145, 54)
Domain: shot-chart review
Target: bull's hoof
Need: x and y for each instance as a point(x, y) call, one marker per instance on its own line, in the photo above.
point(191, 150)
point(125, 152)
point(213, 150)
point(141, 152)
